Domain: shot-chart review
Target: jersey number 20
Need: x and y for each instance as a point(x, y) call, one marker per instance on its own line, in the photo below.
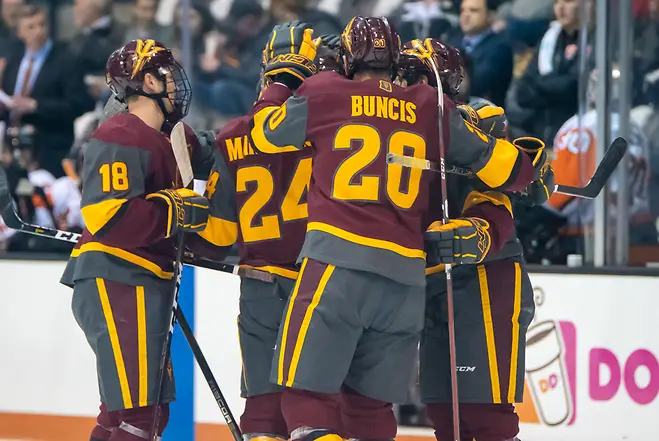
point(367, 188)
point(291, 208)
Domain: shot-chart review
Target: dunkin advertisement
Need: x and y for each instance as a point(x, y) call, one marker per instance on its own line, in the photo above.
point(592, 359)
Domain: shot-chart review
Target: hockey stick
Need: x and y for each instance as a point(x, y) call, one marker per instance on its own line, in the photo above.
point(427, 53)
point(605, 169)
point(180, 151)
point(179, 147)
point(13, 220)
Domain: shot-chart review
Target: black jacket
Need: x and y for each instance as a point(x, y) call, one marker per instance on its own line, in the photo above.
point(61, 97)
point(492, 59)
point(91, 50)
point(552, 98)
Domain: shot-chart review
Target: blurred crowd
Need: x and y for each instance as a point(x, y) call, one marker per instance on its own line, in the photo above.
point(535, 58)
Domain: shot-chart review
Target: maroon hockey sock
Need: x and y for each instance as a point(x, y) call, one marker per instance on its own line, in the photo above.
point(105, 423)
point(482, 422)
point(135, 424)
point(311, 409)
point(263, 415)
point(490, 422)
point(365, 418)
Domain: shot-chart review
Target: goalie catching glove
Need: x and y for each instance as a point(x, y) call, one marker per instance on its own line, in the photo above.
point(460, 241)
point(289, 54)
point(187, 210)
point(542, 186)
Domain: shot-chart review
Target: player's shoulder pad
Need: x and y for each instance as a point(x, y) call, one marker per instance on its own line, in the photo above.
point(128, 130)
point(234, 128)
point(321, 83)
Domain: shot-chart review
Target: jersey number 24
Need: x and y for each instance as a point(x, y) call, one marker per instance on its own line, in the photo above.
point(291, 208)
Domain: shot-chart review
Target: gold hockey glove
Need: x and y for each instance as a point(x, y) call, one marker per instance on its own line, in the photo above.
point(460, 241)
point(487, 117)
point(541, 188)
point(289, 54)
point(187, 211)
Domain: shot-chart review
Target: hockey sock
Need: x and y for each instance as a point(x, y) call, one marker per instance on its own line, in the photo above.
point(365, 418)
point(263, 417)
point(106, 422)
point(310, 411)
point(482, 422)
point(136, 423)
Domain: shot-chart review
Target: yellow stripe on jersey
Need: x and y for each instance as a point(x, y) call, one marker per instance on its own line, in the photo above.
point(498, 169)
point(143, 363)
point(287, 321)
point(277, 270)
point(304, 328)
point(114, 342)
point(489, 335)
point(124, 255)
point(259, 138)
point(514, 351)
point(97, 215)
point(366, 241)
point(220, 232)
point(493, 197)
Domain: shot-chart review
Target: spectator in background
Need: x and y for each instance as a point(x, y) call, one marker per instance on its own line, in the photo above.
point(9, 42)
point(228, 75)
point(427, 19)
point(46, 91)
point(290, 10)
point(549, 87)
point(490, 53)
point(575, 149)
point(524, 21)
point(98, 37)
point(144, 25)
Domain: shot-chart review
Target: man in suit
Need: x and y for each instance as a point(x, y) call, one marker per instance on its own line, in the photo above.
point(490, 53)
point(45, 93)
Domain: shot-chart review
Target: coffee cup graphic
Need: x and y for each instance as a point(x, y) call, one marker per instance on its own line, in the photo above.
point(546, 373)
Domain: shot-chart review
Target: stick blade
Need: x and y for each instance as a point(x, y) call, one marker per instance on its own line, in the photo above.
point(609, 163)
point(605, 169)
point(180, 149)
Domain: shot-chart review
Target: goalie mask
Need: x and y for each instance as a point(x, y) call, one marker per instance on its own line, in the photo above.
point(128, 65)
point(415, 61)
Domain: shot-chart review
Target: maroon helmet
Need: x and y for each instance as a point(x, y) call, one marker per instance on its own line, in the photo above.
point(415, 61)
point(128, 65)
point(369, 43)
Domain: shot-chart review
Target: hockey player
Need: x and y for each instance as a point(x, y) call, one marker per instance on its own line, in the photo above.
point(493, 298)
point(353, 320)
point(265, 197)
point(122, 267)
